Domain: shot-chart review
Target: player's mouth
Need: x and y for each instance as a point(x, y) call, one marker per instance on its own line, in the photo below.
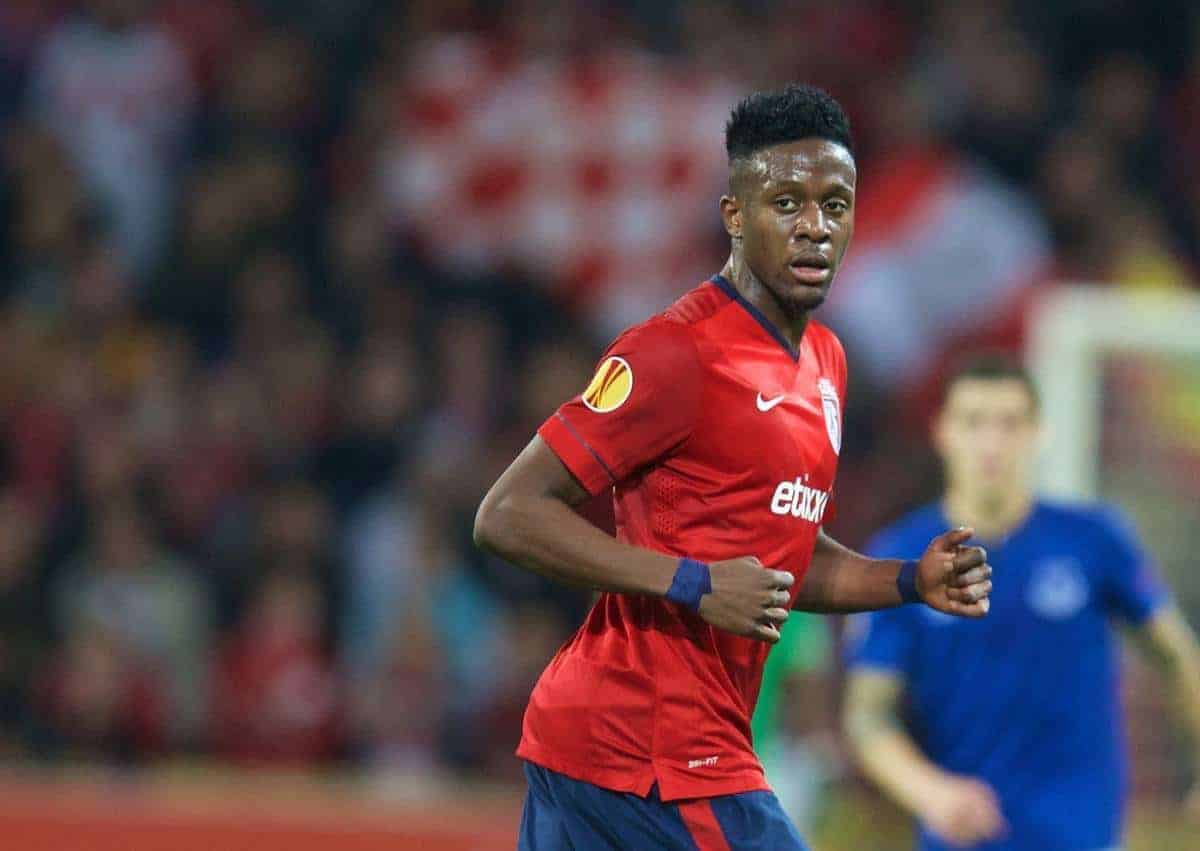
point(811, 269)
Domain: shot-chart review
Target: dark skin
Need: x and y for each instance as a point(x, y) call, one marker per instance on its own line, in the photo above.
point(790, 216)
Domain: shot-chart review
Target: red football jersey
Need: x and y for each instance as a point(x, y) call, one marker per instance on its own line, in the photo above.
point(719, 440)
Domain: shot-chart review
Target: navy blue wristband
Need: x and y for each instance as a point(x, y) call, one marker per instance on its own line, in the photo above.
point(906, 582)
point(692, 581)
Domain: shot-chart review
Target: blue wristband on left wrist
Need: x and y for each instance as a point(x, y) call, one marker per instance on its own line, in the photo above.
point(691, 582)
point(906, 582)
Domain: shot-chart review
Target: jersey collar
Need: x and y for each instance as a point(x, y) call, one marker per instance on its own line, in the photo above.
point(995, 544)
point(757, 315)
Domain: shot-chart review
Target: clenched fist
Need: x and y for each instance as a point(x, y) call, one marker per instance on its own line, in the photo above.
point(963, 811)
point(747, 598)
point(953, 578)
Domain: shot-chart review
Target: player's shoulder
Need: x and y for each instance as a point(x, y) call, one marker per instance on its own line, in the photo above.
point(660, 348)
point(659, 336)
point(823, 337)
point(1085, 518)
point(695, 306)
point(670, 336)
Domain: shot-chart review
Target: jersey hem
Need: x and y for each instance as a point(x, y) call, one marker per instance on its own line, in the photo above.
point(668, 790)
point(614, 781)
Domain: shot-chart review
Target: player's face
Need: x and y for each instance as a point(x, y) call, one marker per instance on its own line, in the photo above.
point(794, 211)
point(987, 435)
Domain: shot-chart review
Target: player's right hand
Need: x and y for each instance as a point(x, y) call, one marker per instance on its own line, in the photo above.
point(747, 598)
point(963, 811)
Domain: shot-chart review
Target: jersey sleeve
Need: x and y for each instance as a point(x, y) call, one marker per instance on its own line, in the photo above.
point(639, 407)
point(883, 639)
point(1133, 589)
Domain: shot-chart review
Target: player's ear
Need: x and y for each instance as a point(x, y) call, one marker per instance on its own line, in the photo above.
point(731, 215)
point(937, 430)
point(1041, 433)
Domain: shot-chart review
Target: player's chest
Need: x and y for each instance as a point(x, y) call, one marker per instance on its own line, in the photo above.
point(773, 424)
point(1051, 588)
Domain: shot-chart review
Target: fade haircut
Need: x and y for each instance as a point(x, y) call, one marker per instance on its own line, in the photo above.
point(993, 366)
point(796, 112)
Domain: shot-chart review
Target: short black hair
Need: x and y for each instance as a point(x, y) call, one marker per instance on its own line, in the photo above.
point(993, 366)
point(796, 112)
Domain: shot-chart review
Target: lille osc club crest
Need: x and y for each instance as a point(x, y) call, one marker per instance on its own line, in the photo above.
point(610, 386)
point(833, 413)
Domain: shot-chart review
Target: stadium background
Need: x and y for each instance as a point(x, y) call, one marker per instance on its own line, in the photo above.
point(286, 283)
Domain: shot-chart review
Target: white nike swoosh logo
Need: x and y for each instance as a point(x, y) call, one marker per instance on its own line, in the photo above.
point(767, 404)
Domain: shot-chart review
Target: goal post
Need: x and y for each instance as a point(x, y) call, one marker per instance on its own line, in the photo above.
point(1074, 330)
point(1119, 374)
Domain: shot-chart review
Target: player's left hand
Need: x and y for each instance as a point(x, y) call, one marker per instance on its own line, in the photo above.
point(953, 578)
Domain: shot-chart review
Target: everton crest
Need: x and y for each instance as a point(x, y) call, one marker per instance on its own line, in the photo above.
point(833, 413)
point(1057, 588)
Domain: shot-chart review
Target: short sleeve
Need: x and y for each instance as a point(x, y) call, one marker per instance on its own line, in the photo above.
point(883, 639)
point(639, 407)
point(1133, 589)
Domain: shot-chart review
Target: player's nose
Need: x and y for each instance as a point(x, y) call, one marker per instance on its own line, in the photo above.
point(812, 223)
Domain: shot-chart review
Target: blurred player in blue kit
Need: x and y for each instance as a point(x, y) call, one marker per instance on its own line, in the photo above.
point(1015, 737)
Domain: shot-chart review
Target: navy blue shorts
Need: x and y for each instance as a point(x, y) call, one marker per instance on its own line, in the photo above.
point(562, 814)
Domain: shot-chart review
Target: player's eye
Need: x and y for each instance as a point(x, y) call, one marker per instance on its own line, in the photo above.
point(785, 204)
point(836, 205)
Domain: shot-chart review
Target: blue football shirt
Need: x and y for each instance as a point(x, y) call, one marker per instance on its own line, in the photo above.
point(1026, 698)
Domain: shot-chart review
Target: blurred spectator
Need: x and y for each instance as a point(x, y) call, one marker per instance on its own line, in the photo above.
point(1002, 89)
point(606, 142)
point(1079, 166)
point(210, 32)
point(53, 219)
point(115, 88)
point(296, 538)
point(23, 637)
point(400, 710)
point(45, 381)
point(157, 614)
point(276, 694)
point(943, 249)
point(99, 703)
point(377, 422)
point(272, 95)
point(412, 595)
point(532, 634)
point(362, 266)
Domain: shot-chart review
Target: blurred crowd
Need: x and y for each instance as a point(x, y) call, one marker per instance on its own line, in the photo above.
point(286, 284)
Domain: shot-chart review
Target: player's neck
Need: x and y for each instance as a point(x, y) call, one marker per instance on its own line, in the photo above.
point(992, 516)
point(754, 291)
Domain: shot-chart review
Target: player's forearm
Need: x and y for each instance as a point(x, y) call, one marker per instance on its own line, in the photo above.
point(543, 534)
point(1173, 646)
point(840, 580)
point(890, 758)
point(1187, 690)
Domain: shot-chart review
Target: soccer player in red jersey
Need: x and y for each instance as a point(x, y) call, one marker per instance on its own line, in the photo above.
point(717, 425)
